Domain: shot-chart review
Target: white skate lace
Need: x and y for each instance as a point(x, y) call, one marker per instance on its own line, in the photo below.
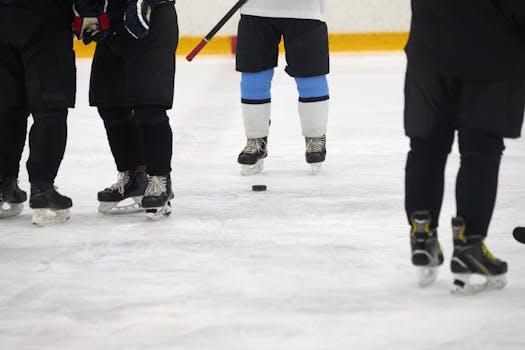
point(253, 146)
point(315, 144)
point(123, 179)
point(156, 185)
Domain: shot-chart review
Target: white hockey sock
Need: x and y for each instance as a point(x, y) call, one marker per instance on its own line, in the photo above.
point(256, 119)
point(314, 118)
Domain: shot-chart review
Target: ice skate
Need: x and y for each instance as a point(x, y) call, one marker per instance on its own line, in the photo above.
point(124, 196)
point(50, 207)
point(252, 156)
point(12, 198)
point(426, 250)
point(315, 152)
point(156, 200)
point(472, 257)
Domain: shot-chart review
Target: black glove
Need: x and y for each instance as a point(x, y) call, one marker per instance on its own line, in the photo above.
point(138, 15)
point(91, 20)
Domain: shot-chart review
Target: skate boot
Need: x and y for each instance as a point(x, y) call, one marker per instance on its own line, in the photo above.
point(315, 152)
point(157, 197)
point(12, 198)
point(50, 207)
point(252, 156)
point(472, 257)
point(426, 250)
point(124, 196)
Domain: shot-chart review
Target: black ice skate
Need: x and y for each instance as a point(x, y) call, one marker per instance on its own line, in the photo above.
point(315, 152)
point(426, 250)
point(45, 199)
point(252, 156)
point(472, 257)
point(12, 198)
point(157, 197)
point(124, 196)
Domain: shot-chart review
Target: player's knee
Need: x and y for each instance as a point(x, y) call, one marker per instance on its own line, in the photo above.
point(150, 115)
point(431, 148)
point(55, 115)
point(256, 86)
point(475, 143)
point(313, 89)
point(114, 115)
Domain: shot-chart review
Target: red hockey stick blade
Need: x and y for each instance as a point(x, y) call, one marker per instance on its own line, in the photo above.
point(519, 234)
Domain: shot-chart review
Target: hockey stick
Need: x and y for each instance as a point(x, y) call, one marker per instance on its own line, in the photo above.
point(519, 234)
point(215, 29)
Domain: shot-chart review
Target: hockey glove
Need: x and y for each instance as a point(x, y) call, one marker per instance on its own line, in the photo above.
point(91, 20)
point(137, 18)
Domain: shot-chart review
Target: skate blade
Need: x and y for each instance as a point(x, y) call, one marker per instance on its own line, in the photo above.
point(462, 285)
point(113, 208)
point(8, 210)
point(316, 168)
point(154, 214)
point(426, 275)
point(247, 170)
point(44, 217)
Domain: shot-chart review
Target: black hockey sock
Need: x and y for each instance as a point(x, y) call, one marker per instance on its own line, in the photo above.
point(425, 176)
point(157, 139)
point(12, 139)
point(47, 143)
point(123, 137)
point(477, 180)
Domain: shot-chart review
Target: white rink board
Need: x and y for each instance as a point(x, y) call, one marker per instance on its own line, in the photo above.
point(313, 263)
point(343, 16)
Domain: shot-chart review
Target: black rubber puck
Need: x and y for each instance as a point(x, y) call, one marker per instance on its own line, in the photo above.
point(519, 234)
point(259, 188)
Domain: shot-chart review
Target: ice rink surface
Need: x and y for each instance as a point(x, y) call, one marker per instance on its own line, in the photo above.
point(313, 263)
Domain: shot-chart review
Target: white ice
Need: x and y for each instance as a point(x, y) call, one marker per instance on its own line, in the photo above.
point(313, 263)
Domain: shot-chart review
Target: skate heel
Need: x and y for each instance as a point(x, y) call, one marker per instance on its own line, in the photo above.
point(44, 217)
point(252, 169)
point(420, 256)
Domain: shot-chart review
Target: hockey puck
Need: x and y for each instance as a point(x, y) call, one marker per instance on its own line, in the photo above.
point(519, 234)
point(259, 188)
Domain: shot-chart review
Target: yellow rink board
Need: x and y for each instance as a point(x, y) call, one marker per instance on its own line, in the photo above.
point(221, 45)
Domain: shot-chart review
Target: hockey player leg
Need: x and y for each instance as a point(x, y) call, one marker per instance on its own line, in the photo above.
point(476, 189)
point(47, 142)
point(13, 123)
point(256, 110)
point(313, 112)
